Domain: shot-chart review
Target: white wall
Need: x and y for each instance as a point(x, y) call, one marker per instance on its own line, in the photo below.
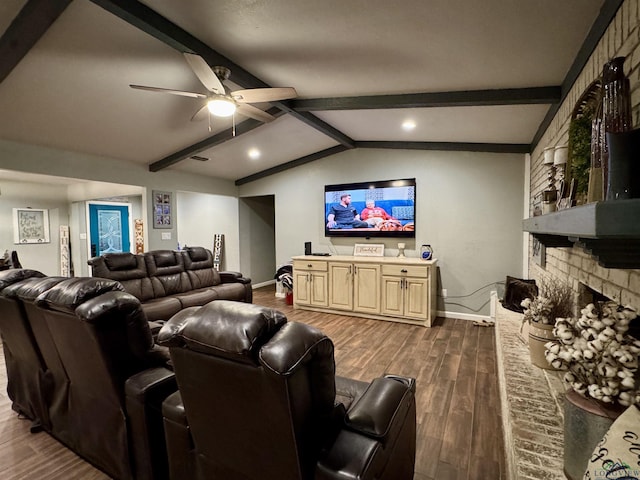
point(201, 216)
point(469, 208)
point(42, 160)
point(42, 257)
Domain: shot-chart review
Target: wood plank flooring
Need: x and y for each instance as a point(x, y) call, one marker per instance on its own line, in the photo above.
point(459, 435)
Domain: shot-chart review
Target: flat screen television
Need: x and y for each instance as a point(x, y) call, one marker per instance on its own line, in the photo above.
point(371, 209)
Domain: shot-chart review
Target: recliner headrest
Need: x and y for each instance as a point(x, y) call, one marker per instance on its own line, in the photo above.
point(164, 258)
point(13, 275)
point(197, 254)
point(223, 328)
point(68, 294)
point(120, 261)
point(28, 290)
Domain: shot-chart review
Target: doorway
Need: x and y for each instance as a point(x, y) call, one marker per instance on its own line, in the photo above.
point(109, 228)
point(258, 238)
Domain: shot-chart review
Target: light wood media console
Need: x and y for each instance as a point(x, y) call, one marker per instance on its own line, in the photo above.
point(384, 288)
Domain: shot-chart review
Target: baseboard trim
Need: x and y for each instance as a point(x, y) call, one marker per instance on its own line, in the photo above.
point(262, 284)
point(463, 316)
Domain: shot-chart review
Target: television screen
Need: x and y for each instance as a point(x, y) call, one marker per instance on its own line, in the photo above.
point(370, 209)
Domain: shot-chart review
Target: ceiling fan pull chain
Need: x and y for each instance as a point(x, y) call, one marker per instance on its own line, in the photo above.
point(209, 119)
point(233, 123)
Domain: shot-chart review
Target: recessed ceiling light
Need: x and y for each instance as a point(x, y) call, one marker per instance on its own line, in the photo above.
point(408, 125)
point(254, 153)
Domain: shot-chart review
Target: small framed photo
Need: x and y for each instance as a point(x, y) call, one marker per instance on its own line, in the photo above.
point(368, 250)
point(162, 210)
point(30, 225)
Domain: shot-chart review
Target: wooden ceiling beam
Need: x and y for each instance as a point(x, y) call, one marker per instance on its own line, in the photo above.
point(448, 146)
point(151, 22)
point(467, 98)
point(25, 30)
point(209, 142)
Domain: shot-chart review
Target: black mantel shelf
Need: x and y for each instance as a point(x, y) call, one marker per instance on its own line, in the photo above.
point(609, 230)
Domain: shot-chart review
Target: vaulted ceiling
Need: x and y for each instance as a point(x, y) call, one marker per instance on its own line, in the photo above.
point(471, 76)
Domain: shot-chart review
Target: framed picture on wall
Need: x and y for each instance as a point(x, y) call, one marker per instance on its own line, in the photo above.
point(162, 210)
point(30, 225)
point(539, 253)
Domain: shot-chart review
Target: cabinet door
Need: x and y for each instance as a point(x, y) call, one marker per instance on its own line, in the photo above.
point(341, 281)
point(416, 298)
point(392, 296)
point(301, 291)
point(366, 288)
point(318, 289)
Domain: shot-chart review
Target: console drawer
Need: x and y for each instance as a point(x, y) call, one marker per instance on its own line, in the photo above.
point(310, 265)
point(406, 270)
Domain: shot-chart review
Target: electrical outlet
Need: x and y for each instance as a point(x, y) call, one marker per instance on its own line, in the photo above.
point(443, 293)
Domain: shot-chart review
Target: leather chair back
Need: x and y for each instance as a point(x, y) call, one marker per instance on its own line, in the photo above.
point(128, 269)
point(254, 388)
point(24, 362)
point(166, 271)
point(103, 338)
point(198, 263)
point(54, 383)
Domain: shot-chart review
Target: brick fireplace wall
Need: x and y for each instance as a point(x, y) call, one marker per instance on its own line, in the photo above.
point(574, 265)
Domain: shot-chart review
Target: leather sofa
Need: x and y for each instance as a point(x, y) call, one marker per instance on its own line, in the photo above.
point(166, 281)
point(258, 399)
point(95, 380)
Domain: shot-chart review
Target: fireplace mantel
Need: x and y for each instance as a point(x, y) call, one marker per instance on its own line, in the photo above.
point(609, 230)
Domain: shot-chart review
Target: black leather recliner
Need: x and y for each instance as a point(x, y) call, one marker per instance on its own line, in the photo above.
point(52, 380)
point(258, 400)
point(24, 363)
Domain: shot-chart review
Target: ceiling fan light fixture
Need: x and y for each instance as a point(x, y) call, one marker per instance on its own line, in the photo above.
point(408, 125)
point(221, 107)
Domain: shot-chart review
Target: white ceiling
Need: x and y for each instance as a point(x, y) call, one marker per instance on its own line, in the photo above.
point(71, 89)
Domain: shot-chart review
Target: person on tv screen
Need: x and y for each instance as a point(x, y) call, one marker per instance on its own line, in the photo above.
point(344, 215)
point(373, 215)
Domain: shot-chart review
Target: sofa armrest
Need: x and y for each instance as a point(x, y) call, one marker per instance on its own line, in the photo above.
point(233, 277)
point(379, 437)
point(384, 402)
point(145, 392)
point(351, 457)
point(178, 438)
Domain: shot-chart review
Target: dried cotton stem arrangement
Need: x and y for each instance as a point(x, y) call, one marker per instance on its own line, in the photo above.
point(601, 359)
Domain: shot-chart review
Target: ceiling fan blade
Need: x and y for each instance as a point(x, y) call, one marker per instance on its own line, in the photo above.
point(168, 90)
point(253, 112)
point(256, 95)
point(204, 73)
point(201, 114)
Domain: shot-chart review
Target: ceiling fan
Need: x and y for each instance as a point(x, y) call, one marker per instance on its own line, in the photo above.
point(219, 101)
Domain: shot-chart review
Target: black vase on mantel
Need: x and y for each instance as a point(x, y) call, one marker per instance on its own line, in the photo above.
point(624, 165)
point(616, 110)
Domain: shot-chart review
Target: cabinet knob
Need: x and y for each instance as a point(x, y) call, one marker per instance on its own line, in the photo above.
point(309, 265)
point(404, 270)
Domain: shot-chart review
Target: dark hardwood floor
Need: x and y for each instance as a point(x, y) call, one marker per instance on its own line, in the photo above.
point(458, 405)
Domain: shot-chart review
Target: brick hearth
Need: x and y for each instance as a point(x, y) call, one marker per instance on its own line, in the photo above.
point(532, 408)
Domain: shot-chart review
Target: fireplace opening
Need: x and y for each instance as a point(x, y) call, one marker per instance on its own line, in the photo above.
point(587, 295)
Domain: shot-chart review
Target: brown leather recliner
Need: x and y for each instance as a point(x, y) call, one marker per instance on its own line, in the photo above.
point(24, 363)
point(117, 377)
point(52, 380)
point(258, 400)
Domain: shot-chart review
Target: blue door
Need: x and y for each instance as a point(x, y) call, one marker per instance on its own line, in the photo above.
point(109, 228)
